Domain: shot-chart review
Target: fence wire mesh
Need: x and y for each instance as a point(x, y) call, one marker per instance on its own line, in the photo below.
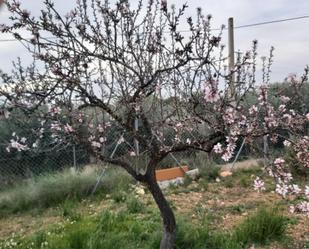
point(20, 165)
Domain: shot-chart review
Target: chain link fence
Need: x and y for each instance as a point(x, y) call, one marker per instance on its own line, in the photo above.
point(16, 166)
point(26, 164)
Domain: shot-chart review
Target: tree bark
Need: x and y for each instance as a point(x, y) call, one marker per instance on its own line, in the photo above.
point(167, 214)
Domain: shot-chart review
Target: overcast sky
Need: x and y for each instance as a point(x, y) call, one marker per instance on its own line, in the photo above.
point(290, 39)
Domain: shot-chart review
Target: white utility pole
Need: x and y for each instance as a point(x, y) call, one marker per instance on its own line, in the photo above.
point(231, 55)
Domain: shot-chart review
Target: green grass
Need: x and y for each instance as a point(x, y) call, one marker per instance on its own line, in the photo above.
point(132, 224)
point(134, 205)
point(210, 172)
point(262, 227)
point(113, 230)
point(55, 189)
point(128, 230)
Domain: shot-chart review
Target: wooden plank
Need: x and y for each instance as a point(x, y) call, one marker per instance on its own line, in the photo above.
point(171, 173)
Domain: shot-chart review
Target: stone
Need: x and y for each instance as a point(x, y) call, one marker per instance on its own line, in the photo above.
point(174, 182)
point(225, 173)
point(193, 174)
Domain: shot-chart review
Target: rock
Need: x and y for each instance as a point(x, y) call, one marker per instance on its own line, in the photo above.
point(174, 182)
point(218, 179)
point(225, 173)
point(193, 174)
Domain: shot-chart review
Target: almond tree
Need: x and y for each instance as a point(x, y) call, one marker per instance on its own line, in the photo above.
point(104, 66)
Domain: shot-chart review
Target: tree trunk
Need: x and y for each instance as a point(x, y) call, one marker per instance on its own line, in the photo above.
point(169, 222)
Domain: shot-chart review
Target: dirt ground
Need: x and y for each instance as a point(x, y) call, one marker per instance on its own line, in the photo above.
point(226, 205)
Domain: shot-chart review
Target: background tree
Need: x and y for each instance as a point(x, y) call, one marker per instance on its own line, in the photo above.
point(116, 60)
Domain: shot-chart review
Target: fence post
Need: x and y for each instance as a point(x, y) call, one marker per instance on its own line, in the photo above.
point(74, 157)
point(135, 140)
point(265, 149)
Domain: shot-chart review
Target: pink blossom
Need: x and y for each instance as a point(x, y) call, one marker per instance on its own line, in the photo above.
point(96, 144)
point(288, 118)
point(35, 144)
point(137, 107)
point(102, 139)
point(292, 78)
point(303, 207)
point(258, 184)
point(293, 113)
point(188, 141)
point(17, 145)
point(282, 108)
point(286, 143)
point(282, 189)
point(177, 138)
point(132, 153)
point(271, 121)
point(279, 161)
point(226, 157)
point(55, 127)
point(91, 138)
point(287, 177)
point(230, 115)
point(100, 128)
point(54, 110)
point(285, 99)
point(121, 140)
point(253, 110)
point(68, 128)
point(211, 94)
point(218, 148)
point(295, 189)
point(179, 125)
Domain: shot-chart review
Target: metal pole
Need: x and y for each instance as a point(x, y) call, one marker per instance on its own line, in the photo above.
point(231, 55)
point(136, 144)
point(238, 153)
point(104, 169)
point(265, 149)
point(74, 157)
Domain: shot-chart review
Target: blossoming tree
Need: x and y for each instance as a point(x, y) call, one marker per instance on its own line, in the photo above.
point(104, 66)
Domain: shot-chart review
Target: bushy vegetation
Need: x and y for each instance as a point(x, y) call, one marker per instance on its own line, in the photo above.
point(262, 227)
point(53, 189)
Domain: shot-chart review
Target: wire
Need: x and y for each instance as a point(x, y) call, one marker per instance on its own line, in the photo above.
point(14, 40)
point(184, 31)
point(270, 22)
